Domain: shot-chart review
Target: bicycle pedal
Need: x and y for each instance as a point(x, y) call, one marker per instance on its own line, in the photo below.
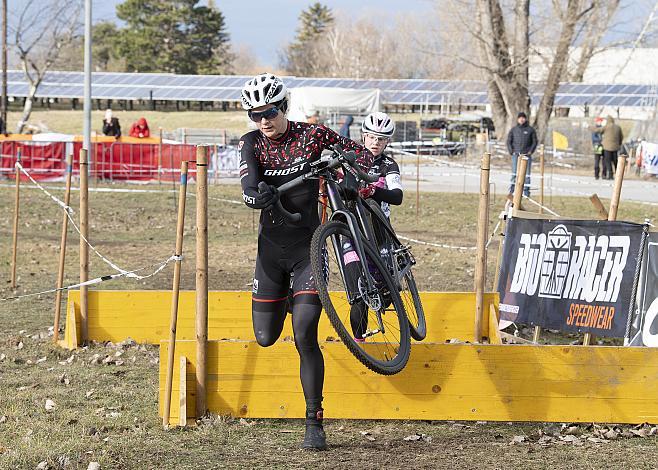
point(370, 333)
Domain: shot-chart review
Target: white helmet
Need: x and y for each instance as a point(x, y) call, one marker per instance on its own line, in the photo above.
point(263, 89)
point(379, 124)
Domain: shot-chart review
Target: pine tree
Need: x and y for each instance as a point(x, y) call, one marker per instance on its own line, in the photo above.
point(300, 56)
point(178, 36)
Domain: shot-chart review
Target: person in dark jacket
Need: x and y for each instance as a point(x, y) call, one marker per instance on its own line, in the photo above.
point(345, 128)
point(521, 140)
point(111, 125)
point(597, 147)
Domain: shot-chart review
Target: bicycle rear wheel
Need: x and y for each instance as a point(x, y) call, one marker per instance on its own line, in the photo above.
point(399, 260)
point(371, 323)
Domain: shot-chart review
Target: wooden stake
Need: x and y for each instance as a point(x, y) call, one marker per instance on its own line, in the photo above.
point(201, 277)
point(481, 260)
point(521, 168)
point(616, 191)
point(612, 213)
point(62, 249)
point(14, 239)
point(599, 207)
point(417, 183)
point(160, 158)
point(84, 236)
point(504, 224)
point(180, 227)
point(541, 181)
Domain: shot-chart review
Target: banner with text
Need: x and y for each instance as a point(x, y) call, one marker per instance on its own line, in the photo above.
point(574, 275)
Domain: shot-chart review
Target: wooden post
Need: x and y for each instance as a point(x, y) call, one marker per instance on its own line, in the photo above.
point(616, 191)
point(481, 260)
point(417, 182)
point(612, 213)
point(84, 236)
point(521, 168)
point(180, 227)
point(541, 181)
point(62, 248)
point(516, 200)
point(160, 158)
point(14, 239)
point(201, 277)
point(599, 207)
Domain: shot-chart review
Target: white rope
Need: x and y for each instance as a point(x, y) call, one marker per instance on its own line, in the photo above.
point(59, 202)
point(123, 272)
point(438, 245)
point(542, 206)
point(160, 267)
point(493, 234)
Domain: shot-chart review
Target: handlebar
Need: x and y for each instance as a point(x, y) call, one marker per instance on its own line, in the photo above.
point(350, 158)
point(343, 157)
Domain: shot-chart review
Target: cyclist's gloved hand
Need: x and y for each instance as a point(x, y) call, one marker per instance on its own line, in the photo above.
point(267, 196)
point(351, 156)
point(367, 191)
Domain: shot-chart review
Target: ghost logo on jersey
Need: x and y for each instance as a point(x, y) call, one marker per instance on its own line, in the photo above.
point(284, 171)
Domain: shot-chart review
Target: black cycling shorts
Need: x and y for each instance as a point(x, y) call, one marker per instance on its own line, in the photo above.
point(280, 253)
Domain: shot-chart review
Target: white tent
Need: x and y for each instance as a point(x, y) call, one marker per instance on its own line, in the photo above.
point(305, 101)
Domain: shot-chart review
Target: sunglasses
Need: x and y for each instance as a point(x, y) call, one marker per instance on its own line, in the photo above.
point(268, 114)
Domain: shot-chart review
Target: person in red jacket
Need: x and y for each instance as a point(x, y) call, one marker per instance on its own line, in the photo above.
point(140, 129)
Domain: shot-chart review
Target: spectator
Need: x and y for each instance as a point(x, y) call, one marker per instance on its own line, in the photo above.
point(521, 140)
point(611, 142)
point(140, 129)
point(345, 128)
point(597, 147)
point(111, 125)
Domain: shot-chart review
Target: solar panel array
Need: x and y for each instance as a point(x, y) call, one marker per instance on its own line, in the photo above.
point(170, 87)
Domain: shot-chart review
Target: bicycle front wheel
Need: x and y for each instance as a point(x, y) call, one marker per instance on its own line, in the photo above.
point(363, 305)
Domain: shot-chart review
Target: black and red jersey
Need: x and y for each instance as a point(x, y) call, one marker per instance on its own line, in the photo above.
point(277, 161)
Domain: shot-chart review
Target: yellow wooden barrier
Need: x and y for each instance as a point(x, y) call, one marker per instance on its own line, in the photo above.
point(441, 381)
point(144, 315)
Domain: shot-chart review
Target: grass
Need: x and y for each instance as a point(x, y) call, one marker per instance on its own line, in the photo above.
point(108, 413)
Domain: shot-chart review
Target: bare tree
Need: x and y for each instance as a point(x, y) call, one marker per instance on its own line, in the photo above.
point(42, 30)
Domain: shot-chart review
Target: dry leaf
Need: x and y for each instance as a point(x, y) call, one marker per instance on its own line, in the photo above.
point(611, 434)
point(90, 393)
point(644, 432)
point(42, 465)
point(413, 437)
point(571, 439)
point(40, 360)
point(19, 345)
point(244, 422)
point(3, 419)
point(2, 357)
point(50, 405)
point(597, 440)
point(94, 466)
point(517, 440)
point(545, 440)
point(367, 435)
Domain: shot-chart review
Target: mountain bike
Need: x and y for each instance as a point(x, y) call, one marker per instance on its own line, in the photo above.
point(358, 287)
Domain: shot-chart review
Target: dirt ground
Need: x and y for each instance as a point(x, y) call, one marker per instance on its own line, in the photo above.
point(107, 412)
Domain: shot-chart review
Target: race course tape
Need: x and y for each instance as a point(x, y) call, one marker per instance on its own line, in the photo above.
point(98, 280)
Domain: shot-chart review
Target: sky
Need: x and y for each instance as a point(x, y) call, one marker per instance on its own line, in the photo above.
point(265, 26)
